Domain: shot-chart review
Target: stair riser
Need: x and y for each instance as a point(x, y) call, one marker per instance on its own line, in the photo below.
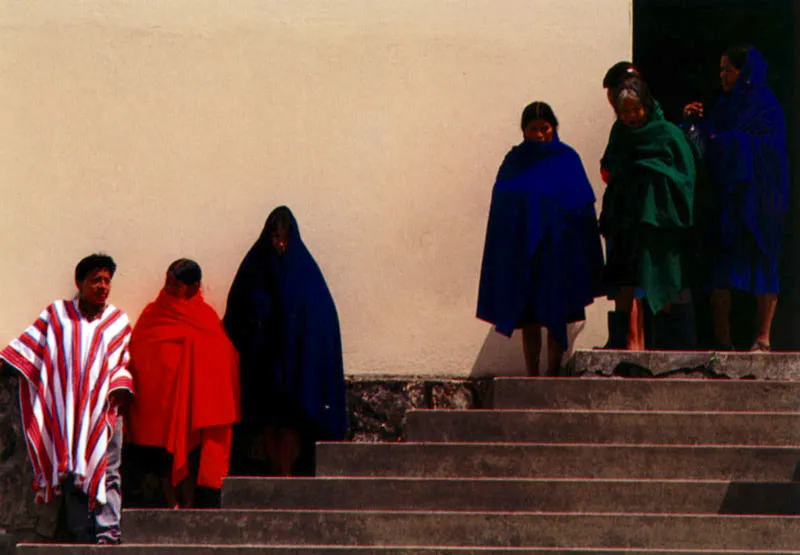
point(605, 427)
point(558, 461)
point(512, 495)
point(454, 529)
point(641, 394)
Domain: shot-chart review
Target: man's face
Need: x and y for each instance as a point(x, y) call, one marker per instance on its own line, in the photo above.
point(95, 287)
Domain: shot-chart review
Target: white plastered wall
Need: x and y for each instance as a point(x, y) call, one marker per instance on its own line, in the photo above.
point(154, 130)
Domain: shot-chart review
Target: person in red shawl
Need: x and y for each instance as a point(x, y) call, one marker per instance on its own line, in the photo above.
point(188, 377)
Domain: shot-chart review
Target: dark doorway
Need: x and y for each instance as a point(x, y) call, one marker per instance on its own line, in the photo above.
point(677, 46)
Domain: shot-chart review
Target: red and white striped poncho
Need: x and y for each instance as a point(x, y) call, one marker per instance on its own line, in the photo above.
point(70, 366)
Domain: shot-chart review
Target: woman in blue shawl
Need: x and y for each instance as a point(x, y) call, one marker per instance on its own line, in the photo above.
point(282, 319)
point(748, 164)
point(542, 259)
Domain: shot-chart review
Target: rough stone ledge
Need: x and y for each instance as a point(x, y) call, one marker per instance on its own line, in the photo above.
point(686, 364)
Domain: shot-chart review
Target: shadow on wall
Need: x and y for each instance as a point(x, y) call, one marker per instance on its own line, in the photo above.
point(503, 356)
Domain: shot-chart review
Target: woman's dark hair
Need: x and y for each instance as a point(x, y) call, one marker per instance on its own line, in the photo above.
point(94, 262)
point(538, 110)
point(186, 271)
point(617, 73)
point(737, 54)
point(637, 88)
point(280, 218)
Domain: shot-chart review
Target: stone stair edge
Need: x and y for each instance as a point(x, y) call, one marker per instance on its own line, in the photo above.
point(478, 444)
point(506, 411)
point(295, 479)
point(433, 550)
point(516, 513)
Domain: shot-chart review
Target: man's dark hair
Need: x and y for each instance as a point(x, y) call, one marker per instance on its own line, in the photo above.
point(186, 271)
point(94, 262)
point(737, 54)
point(538, 110)
point(617, 73)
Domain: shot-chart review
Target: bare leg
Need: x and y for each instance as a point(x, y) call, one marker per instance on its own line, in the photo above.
point(532, 346)
point(721, 308)
point(289, 451)
point(170, 496)
point(766, 311)
point(555, 352)
point(624, 300)
point(272, 448)
point(636, 328)
point(187, 491)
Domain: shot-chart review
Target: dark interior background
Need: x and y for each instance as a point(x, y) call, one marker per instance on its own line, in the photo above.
point(677, 45)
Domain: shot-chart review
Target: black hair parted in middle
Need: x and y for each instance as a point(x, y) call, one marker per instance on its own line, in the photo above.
point(538, 111)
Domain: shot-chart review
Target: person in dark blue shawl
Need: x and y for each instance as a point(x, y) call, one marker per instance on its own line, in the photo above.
point(282, 319)
point(542, 260)
point(748, 164)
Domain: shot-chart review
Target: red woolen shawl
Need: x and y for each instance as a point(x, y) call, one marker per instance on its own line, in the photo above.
point(187, 375)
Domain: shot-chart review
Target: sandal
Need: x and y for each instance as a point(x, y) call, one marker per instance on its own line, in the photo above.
point(760, 347)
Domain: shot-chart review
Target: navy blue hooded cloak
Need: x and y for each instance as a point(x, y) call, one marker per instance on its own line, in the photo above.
point(282, 319)
point(749, 168)
point(542, 260)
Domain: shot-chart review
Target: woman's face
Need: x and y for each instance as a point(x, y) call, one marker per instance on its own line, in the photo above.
point(728, 74)
point(632, 113)
point(280, 240)
point(539, 130)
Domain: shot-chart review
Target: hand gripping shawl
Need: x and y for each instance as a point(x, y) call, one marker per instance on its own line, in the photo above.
point(649, 204)
point(542, 255)
point(70, 367)
point(749, 165)
point(283, 321)
point(187, 380)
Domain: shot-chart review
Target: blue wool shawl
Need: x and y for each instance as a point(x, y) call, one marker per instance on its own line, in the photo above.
point(282, 319)
point(748, 160)
point(542, 254)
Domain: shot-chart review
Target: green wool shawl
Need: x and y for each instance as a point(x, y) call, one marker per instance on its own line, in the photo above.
point(651, 193)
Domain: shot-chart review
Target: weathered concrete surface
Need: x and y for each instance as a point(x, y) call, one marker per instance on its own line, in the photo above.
point(20, 518)
point(687, 364)
point(535, 495)
point(559, 461)
point(161, 549)
point(377, 407)
point(646, 394)
point(628, 427)
point(500, 529)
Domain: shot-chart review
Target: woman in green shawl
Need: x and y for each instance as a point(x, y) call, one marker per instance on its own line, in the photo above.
point(647, 212)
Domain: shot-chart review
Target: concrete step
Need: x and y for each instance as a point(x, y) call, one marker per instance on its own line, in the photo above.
point(164, 549)
point(489, 529)
point(763, 366)
point(742, 463)
point(630, 427)
point(566, 495)
point(645, 394)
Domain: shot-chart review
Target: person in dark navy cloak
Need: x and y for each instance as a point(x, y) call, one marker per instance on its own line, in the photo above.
point(542, 260)
point(282, 319)
point(746, 152)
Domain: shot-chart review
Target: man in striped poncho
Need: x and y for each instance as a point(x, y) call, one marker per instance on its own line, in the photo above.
point(74, 362)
